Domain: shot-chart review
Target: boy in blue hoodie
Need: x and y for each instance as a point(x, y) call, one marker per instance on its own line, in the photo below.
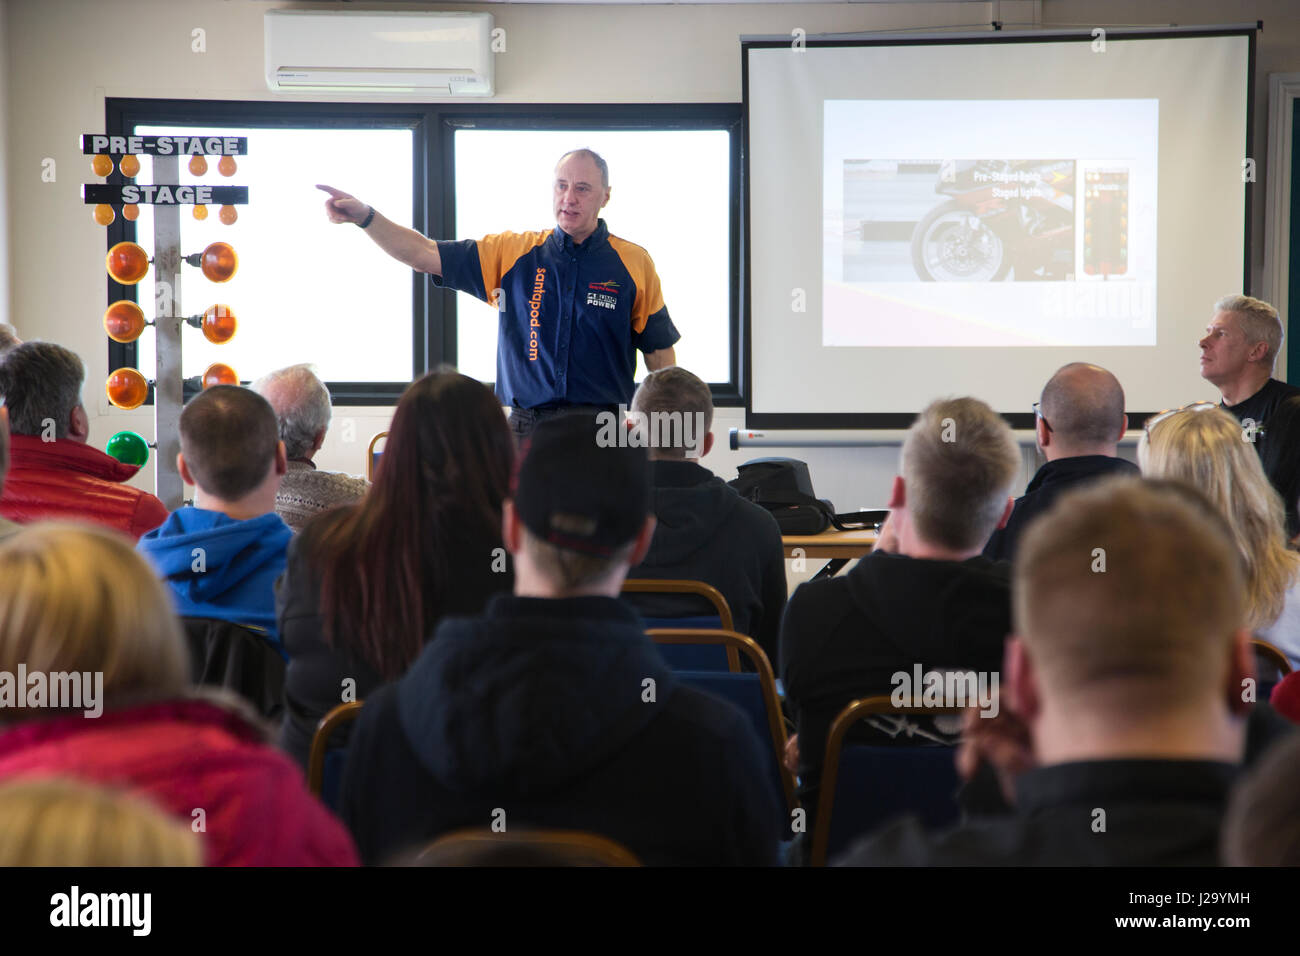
point(222, 556)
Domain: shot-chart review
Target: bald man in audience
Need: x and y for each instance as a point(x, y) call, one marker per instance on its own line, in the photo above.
point(1238, 354)
point(1079, 424)
point(1122, 717)
point(303, 410)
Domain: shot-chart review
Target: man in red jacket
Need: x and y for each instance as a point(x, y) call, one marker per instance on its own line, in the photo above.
point(53, 473)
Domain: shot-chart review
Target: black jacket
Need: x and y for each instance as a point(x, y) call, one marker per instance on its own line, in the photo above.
point(1275, 410)
point(1157, 813)
point(239, 658)
point(1055, 477)
point(706, 532)
point(540, 709)
point(844, 637)
point(313, 683)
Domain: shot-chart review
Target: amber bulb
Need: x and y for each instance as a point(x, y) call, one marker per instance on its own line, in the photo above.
point(130, 166)
point(198, 166)
point(127, 388)
point(218, 373)
point(104, 215)
point(219, 262)
point(226, 166)
point(101, 165)
point(124, 321)
point(228, 215)
point(127, 263)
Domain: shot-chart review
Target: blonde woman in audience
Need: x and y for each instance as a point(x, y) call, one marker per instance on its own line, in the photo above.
point(68, 823)
point(93, 685)
point(1206, 447)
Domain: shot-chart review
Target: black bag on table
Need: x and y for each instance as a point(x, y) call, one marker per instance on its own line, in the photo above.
point(784, 487)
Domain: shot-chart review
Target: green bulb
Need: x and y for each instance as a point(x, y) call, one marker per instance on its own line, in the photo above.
point(128, 448)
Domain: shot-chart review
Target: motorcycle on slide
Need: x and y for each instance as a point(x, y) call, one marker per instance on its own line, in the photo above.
point(1001, 215)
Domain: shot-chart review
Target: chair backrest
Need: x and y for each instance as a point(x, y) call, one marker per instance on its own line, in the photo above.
point(707, 649)
point(1270, 657)
point(753, 692)
point(238, 657)
point(372, 456)
point(482, 847)
point(692, 656)
point(682, 586)
point(324, 766)
point(863, 786)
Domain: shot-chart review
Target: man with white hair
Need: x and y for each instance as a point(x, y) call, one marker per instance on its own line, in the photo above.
point(1238, 354)
point(303, 409)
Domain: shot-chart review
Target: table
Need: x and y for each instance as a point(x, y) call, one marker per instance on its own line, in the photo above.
point(840, 547)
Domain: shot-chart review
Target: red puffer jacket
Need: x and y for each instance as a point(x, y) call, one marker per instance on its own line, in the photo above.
point(190, 755)
point(69, 481)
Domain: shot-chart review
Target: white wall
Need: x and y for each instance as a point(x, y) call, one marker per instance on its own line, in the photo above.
point(66, 56)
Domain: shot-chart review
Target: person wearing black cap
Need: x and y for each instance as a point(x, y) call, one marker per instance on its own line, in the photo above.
point(554, 709)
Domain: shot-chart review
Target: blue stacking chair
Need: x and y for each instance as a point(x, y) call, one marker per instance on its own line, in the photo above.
point(690, 656)
point(753, 692)
point(864, 785)
point(325, 763)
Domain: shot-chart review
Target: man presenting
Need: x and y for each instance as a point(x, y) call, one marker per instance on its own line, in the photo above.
point(1237, 356)
point(575, 302)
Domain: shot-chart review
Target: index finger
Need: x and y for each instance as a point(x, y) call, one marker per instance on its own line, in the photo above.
point(336, 193)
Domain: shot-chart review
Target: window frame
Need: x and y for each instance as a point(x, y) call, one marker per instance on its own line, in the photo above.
point(433, 125)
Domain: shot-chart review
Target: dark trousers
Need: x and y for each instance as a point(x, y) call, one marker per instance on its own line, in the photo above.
point(524, 420)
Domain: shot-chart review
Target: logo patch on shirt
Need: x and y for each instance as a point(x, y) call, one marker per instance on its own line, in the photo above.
point(602, 300)
point(608, 286)
point(534, 307)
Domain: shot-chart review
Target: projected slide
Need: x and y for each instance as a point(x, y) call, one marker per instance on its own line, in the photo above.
point(989, 222)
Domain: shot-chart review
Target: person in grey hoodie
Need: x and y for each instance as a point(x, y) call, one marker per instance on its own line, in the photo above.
point(705, 531)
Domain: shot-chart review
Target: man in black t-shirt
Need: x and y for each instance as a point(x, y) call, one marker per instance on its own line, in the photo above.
point(1122, 721)
point(925, 596)
point(1237, 356)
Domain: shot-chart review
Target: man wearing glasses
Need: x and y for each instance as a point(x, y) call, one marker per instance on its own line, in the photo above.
point(1238, 353)
point(575, 302)
point(1079, 422)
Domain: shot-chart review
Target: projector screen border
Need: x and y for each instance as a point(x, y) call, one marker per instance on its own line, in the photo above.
point(886, 422)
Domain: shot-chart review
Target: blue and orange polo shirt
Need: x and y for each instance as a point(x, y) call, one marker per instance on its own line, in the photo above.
point(573, 314)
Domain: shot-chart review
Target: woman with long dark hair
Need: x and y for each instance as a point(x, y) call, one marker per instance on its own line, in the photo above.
point(366, 584)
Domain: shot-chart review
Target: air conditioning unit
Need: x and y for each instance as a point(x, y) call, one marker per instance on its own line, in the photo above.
point(435, 54)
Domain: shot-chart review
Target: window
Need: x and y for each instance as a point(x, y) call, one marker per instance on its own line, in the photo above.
point(306, 291)
point(670, 194)
point(309, 291)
